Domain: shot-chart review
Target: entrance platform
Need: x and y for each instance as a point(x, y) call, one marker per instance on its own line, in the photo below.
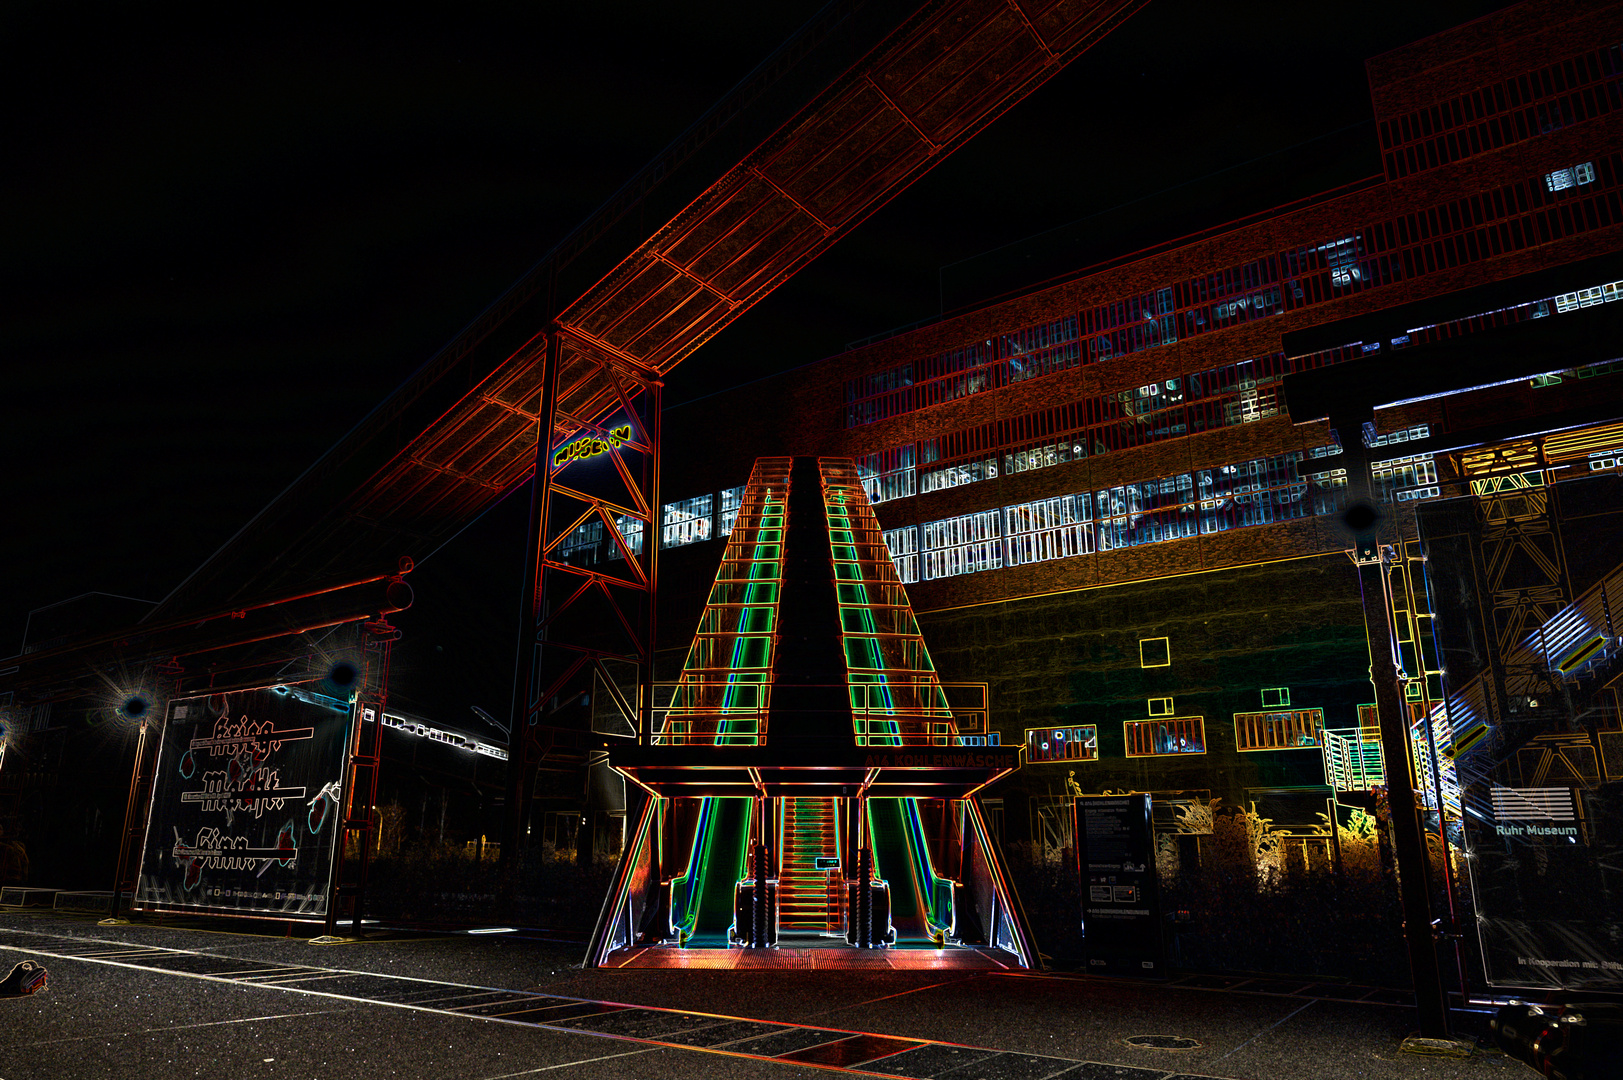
point(813, 955)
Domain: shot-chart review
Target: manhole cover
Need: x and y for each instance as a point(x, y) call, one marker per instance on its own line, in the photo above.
point(1161, 1042)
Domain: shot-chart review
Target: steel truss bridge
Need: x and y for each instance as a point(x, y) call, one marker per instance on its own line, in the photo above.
point(854, 108)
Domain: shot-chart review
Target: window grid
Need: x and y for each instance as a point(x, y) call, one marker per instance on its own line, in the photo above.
point(966, 544)
point(686, 521)
point(1517, 108)
point(1062, 744)
point(904, 552)
point(1406, 478)
point(888, 474)
point(1057, 528)
point(969, 472)
point(584, 546)
point(1261, 491)
point(1161, 738)
point(1289, 729)
point(985, 365)
point(731, 500)
point(631, 530)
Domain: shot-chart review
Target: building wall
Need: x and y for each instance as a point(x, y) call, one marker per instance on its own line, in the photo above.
point(1073, 658)
point(1436, 230)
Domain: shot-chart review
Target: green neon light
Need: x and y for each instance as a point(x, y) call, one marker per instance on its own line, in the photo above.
point(685, 912)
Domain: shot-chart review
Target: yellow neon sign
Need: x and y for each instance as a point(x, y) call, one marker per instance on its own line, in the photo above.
point(591, 446)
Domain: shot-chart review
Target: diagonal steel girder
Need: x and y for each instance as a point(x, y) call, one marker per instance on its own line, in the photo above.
point(891, 93)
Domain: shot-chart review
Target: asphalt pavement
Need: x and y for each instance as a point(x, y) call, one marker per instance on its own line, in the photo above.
point(214, 1000)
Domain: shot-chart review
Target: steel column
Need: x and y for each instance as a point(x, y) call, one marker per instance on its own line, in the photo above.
point(590, 578)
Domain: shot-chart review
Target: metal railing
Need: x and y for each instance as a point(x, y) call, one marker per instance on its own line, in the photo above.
point(913, 712)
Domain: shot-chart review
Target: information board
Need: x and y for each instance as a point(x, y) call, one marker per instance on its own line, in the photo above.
point(1121, 909)
point(246, 802)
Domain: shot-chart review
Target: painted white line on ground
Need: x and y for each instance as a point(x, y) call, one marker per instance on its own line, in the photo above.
point(572, 1064)
point(186, 1027)
point(1264, 1031)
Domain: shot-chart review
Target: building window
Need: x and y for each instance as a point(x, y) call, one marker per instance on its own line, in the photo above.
point(1062, 744)
point(1329, 491)
point(1041, 457)
point(631, 531)
point(1256, 492)
point(1595, 294)
point(1276, 697)
point(888, 474)
point(1160, 738)
point(1041, 350)
point(1576, 176)
point(1409, 434)
point(1160, 706)
point(963, 545)
point(1405, 479)
point(1154, 652)
point(1299, 729)
point(1342, 257)
point(904, 552)
point(584, 546)
point(731, 500)
point(968, 472)
point(1049, 529)
point(1147, 512)
point(687, 521)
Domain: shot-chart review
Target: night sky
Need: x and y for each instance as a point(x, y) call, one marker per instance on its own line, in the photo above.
point(230, 234)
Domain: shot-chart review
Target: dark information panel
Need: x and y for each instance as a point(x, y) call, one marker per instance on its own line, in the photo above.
point(1121, 909)
point(245, 803)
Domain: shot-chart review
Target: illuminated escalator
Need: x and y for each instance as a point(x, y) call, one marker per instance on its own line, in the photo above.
point(920, 902)
point(702, 898)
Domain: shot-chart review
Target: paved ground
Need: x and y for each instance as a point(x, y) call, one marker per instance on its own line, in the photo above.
point(161, 1001)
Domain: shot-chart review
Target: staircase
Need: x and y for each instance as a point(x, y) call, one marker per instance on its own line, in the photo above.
point(803, 892)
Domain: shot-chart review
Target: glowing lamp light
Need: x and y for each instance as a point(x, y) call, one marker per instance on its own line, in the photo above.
point(135, 708)
point(343, 675)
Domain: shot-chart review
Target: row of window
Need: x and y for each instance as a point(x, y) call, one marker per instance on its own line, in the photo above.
point(1517, 108)
point(1260, 491)
point(1445, 235)
point(686, 521)
point(1255, 492)
point(1231, 394)
point(1013, 357)
point(1299, 729)
point(1236, 393)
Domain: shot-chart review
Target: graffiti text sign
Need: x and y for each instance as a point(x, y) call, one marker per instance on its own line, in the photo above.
point(244, 798)
point(591, 446)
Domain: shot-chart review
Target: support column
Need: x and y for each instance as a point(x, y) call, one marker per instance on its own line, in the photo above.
point(1414, 881)
point(519, 765)
point(586, 616)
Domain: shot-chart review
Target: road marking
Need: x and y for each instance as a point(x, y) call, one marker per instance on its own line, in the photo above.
point(187, 1027)
point(572, 1064)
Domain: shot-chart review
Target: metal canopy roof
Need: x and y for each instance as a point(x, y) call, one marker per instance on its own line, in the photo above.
point(936, 772)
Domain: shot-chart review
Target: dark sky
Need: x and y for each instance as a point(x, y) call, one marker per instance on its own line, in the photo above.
point(229, 234)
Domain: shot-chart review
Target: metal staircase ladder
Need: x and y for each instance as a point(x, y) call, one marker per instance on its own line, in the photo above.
point(803, 893)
